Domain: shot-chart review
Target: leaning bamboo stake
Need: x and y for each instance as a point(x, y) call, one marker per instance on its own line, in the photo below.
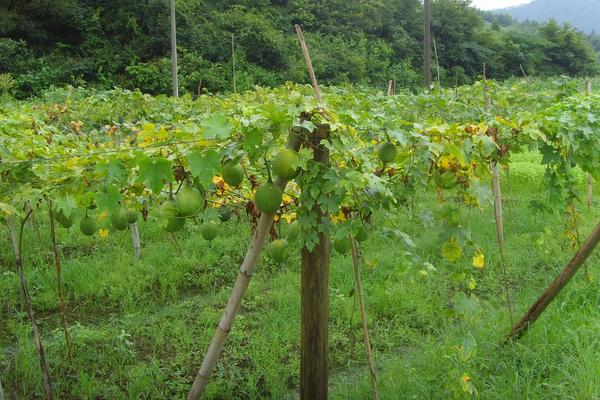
point(556, 286)
point(17, 241)
point(363, 316)
point(309, 66)
point(59, 285)
point(135, 240)
point(237, 294)
point(437, 62)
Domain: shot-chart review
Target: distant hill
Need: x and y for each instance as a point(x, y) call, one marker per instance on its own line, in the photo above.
point(583, 14)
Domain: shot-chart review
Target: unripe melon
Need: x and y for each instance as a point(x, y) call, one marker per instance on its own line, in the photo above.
point(268, 197)
point(131, 215)
point(293, 231)
point(283, 166)
point(387, 152)
point(87, 225)
point(276, 250)
point(118, 219)
point(209, 230)
point(361, 234)
point(172, 221)
point(224, 213)
point(63, 220)
point(342, 245)
point(233, 174)
point(189, 201)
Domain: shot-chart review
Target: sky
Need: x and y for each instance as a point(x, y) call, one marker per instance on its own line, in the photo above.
point(492, 4)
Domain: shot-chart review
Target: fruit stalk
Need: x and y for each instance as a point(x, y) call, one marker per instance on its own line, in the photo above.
point(59, 285)
point(17, 241)
point(135, 239)
point(237, 294)
point(556, 286)
point(363, 317)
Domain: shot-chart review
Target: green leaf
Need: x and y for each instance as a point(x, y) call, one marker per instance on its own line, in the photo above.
point(204, 165)
point(155, 172)
point(109, 198)
point(217, 127)
point(466, 306)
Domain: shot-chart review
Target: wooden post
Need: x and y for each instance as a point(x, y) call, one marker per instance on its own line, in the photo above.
point(17, 240)
point(233, 62)
point(175, 80)
point(59, 285)
point(1, 391)
point(556, 286)
point(315, 301)
point(427, 43)
point(390, 86)
point(309, 66)
point(363, 317)
point(239, 290)
point(590, 192)
point(135, 240)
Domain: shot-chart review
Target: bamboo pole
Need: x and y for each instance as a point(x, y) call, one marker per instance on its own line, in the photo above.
point(309, 66)
point(135, 240)
point(233, 63)
point(237, 294)
point(556, 286)
point(498, 213)
point(437, 63)
point(1, 391)
point(590, 191)
point(363, 317)
point(523, 71)
point(314, 309)
point(59, 285)
point(427, 44)
point(174, 78)
point(17, 241)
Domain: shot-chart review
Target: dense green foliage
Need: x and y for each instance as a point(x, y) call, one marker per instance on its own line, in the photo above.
point(108, 43)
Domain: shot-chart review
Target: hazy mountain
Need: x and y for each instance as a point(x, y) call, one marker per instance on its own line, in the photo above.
point(583, 14)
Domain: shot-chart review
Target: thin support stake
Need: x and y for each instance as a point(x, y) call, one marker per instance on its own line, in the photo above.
point(233, 62)
point(135, 240)
point(363, 316)
point(556, 286)
point(175, 79)
point(17, 241)
point(59, 285)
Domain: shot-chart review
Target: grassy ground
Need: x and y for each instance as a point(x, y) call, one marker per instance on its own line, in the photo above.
point(141, 328)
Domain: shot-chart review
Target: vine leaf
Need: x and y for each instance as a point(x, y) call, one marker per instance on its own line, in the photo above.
point(155, 172)
point(217, 127)
point(109, 198)
point(204, 166)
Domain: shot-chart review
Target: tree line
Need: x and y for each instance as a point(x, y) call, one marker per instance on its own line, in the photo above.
point(106, 43)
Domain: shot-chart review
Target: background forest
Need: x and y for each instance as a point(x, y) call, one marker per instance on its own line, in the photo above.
point(106, 43)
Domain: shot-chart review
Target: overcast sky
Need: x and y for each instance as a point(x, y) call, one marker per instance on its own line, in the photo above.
point(492, 4)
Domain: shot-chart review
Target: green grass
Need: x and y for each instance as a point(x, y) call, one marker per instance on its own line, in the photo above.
point(140, 329)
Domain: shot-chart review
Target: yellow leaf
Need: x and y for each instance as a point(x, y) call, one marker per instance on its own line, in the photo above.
point(103, 215)
point(479, 260)
point(289, 217)
point(340, 217)
point(472, 284)
point(103, 233)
